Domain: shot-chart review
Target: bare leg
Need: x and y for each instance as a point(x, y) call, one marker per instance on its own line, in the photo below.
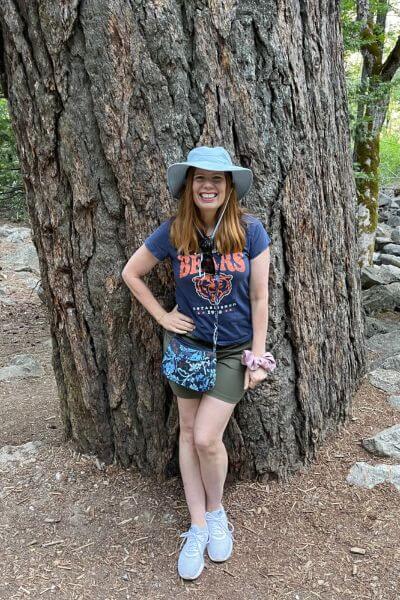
point(189, 461)
point(211, 420)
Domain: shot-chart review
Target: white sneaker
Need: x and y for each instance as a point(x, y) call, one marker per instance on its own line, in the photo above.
point(191, 557)
point(220, 544)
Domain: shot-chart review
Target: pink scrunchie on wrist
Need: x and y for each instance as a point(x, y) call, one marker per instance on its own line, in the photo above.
point(266, 361)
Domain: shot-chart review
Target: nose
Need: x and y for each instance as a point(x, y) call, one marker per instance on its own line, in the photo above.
point(208, 183)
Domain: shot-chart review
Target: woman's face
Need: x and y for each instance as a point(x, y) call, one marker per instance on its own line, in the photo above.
point(209, 189)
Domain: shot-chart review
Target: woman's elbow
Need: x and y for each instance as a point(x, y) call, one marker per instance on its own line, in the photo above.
point(124, 273)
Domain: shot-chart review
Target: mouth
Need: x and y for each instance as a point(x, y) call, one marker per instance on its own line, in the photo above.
point(208, 197)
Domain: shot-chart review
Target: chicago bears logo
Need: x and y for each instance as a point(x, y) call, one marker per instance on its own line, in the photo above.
point(206, 287)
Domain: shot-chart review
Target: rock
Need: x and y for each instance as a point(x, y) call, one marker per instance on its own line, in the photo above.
point(384, 443)
point(389, 259)
point(394, 204)
point(32, 282)
point(22, 453)
point(393, 249)
point(382, 241)
point(25, 258)
point(394, 401)
point(392, 363)
point(19, 236)
point(384, 345)
point(395, 235)
point(393, 220)
point(383, 199)
point(376, 258)
point(386, 380)
point(381, 297)
point(21, 365)
point(379, 275)
point(368, 476)
point(374, 326)
point(4, 299)
point(383, 230)
point(15, 234)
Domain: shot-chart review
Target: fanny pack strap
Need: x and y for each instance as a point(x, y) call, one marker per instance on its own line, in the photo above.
point(216, 305)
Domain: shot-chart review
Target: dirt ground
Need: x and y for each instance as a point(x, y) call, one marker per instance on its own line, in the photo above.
point(69, 529)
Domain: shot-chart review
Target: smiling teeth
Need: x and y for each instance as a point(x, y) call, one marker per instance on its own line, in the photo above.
point(208, 196)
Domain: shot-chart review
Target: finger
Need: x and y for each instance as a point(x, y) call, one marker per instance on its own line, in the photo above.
point(177, 329)
point(185, 318)
point(187, 326)
point(246, 379)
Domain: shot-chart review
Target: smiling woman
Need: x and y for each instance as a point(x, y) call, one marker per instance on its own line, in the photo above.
point(220, 259)
point(209, 189)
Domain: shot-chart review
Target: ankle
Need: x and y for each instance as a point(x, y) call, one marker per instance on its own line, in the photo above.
point(202, 523)
point(214, 507)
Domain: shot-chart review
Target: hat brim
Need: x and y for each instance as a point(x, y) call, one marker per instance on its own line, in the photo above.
point(176, 175)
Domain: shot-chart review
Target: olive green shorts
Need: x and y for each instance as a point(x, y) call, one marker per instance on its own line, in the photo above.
point(230, 372)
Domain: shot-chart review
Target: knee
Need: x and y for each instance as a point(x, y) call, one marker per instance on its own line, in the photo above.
point(186, 434)
point(205, 443)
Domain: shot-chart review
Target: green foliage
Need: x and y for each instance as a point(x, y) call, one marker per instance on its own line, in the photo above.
point(389, 168)
point(12, 197)
point(362, 95)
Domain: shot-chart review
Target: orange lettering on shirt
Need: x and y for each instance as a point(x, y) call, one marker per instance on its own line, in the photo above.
point(226, 264)
point(184, 268)
point(239, 262)
point(195, 263)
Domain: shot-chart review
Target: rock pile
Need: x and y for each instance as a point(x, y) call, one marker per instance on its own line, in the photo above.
point(381, 291)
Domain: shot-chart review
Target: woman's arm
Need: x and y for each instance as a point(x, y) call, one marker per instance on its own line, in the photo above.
point(259, 274)
point(139, 265)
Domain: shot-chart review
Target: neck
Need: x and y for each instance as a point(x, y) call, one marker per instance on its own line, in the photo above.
point(209, 220)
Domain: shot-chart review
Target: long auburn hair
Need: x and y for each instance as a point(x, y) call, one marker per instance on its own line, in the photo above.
point(230, 236)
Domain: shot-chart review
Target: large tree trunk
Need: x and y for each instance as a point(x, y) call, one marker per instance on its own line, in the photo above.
point(103, 96)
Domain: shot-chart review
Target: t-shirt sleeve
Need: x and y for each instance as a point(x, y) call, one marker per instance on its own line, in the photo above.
point(259, 239)
point(158, 242)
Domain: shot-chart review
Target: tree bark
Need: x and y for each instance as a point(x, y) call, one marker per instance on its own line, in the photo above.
point(103, 96)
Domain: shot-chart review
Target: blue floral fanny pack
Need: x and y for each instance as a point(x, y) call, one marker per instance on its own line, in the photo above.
point(189, 366)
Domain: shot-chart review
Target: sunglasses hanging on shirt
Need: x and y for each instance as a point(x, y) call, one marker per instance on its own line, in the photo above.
point(207, 262)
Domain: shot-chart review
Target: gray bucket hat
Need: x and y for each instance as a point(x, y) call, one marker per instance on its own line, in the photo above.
point(210, 159)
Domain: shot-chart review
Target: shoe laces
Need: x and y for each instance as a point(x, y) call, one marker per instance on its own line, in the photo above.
point(219, 526)
point(194, 542)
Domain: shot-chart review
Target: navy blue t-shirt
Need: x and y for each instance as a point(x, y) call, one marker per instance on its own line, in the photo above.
point(196, 293)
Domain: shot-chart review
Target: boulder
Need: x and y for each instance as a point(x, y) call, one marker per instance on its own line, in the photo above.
point(393, 249)
point(24, 258)
point(374, 326)
point(386, 380)
point(394, 401)
point(22, 453)
point(384, 443)
point(379, 275)
point(21, 366)
point(381, 297)
point(368, 476)
point(389, 259)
